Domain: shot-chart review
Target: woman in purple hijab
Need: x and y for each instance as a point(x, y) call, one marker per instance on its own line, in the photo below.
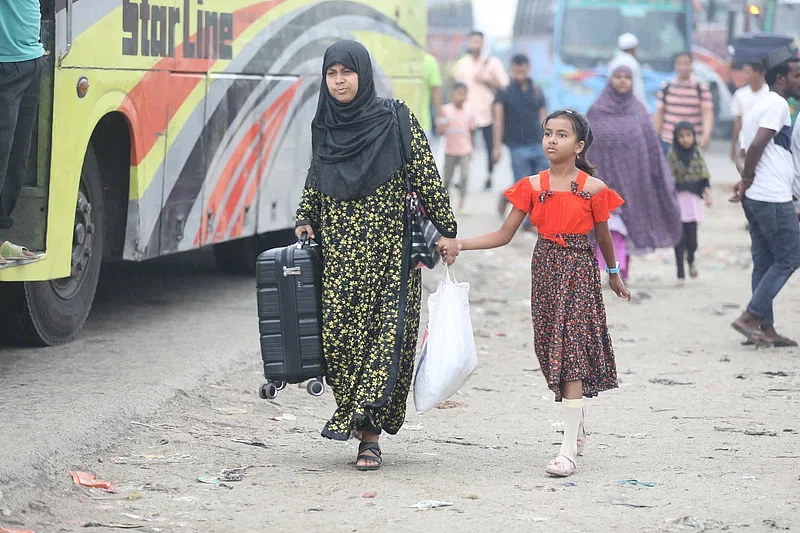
point(629, 158)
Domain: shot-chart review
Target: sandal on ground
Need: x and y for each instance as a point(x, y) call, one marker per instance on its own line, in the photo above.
point(756, 336)
point(12, 252)
point(561, 466)
point(369, 447)
point(780, 342)
point(582, 432)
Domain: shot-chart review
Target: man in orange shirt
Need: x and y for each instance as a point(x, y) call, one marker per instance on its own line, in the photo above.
point(483, 75)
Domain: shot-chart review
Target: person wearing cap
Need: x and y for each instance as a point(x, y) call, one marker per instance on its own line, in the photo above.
point(766, 193)
point(628, 44)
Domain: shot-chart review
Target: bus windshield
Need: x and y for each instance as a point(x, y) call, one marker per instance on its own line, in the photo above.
point(590, 32)
point(787, 20)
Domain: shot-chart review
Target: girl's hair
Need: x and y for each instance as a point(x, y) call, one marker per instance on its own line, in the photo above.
point(582, 131)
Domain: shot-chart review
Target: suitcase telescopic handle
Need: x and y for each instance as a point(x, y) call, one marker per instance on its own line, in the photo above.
point(303, 241)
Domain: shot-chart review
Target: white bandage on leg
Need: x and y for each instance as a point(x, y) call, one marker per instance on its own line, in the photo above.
point(572, 420)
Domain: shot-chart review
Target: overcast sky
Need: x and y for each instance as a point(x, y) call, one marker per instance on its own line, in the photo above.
point(495, 17)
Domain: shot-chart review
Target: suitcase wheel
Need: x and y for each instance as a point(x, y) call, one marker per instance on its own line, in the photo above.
point(316, 387)
point(268, 391)
point(279, 384)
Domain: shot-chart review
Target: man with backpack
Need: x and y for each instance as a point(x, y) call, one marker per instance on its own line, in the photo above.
point(683, 98)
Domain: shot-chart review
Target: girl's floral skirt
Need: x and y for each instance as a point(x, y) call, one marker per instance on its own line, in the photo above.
point(571, 337)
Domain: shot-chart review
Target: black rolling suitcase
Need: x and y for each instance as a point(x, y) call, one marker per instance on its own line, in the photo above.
point(289, 285)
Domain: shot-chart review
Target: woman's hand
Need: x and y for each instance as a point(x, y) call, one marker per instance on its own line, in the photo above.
point(618, 286)
point(299, 230)
point(449, 248)
point(709, 200)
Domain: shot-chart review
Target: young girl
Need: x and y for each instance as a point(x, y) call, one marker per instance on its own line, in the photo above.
point(692, 182)
point(569, 319)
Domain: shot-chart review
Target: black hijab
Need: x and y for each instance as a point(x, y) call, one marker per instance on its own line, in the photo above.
point(355, 145)
point(684, 154)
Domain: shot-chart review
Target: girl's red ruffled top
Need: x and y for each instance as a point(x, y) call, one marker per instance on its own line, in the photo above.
point(558, 213)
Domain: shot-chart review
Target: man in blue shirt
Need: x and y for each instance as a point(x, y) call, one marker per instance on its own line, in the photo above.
point(21, 58)
point(519, 110)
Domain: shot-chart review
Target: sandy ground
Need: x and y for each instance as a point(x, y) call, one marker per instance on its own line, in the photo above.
point(702, 435)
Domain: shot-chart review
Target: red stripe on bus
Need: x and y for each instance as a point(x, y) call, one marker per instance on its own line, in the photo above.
point(273, 117)
point(238, 226)
point(149, 97)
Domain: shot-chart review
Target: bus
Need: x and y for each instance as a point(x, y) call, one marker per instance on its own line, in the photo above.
point(585, 39)
point(170, 125)
point(449, 23)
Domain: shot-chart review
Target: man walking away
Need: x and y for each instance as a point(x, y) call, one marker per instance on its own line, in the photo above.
point(766, 195)
point(684, 98)
point(482, 75)
point(628, 45)
point(20, 74)
point(519, 111)
point(743, 101)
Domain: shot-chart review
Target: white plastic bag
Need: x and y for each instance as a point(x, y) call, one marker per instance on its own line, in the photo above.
point(449, 355)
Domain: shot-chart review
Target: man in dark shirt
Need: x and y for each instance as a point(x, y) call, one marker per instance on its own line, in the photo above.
point(519, 110)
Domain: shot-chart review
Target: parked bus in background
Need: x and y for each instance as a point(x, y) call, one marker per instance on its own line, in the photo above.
point(449, 23)
point(170, 125)
point(585, 39)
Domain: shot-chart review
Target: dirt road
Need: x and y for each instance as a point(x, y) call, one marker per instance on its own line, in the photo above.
point(702, 435)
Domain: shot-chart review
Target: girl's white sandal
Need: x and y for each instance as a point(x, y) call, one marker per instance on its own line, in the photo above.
point(561, 466)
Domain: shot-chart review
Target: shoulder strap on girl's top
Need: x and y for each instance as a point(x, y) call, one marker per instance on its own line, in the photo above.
point(581, 179)
point(544, 180)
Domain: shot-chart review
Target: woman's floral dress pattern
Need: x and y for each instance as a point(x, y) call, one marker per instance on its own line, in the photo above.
point(370, 301)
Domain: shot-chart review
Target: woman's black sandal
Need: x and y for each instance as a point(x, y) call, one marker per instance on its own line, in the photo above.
point(369, 447)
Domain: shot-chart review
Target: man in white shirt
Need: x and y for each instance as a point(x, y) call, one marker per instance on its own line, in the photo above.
point(796, 156)
point(628, 44)
point(744, 99)
point(765, 191)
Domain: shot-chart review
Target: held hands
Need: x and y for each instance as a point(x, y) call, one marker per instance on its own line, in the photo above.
point(618, 286)
point(449, 248)
point(299, 230)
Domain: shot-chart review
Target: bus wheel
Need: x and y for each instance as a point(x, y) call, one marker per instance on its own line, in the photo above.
point(56, 310)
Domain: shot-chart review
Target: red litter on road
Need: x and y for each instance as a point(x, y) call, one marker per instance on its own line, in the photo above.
point(86, 479)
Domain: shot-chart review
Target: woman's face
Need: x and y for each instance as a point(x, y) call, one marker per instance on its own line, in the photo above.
point(560, 141)
point(686, 138)
point(622, 82)
point(342, 83)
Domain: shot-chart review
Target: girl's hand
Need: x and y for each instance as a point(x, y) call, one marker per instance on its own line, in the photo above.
point(449, 248)
point(618, 286)
point(299, 230)
point(709, 200)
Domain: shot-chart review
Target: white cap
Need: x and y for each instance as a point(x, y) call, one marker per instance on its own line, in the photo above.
point(627, 41)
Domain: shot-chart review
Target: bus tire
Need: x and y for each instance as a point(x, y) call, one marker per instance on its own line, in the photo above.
point(55, 311)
